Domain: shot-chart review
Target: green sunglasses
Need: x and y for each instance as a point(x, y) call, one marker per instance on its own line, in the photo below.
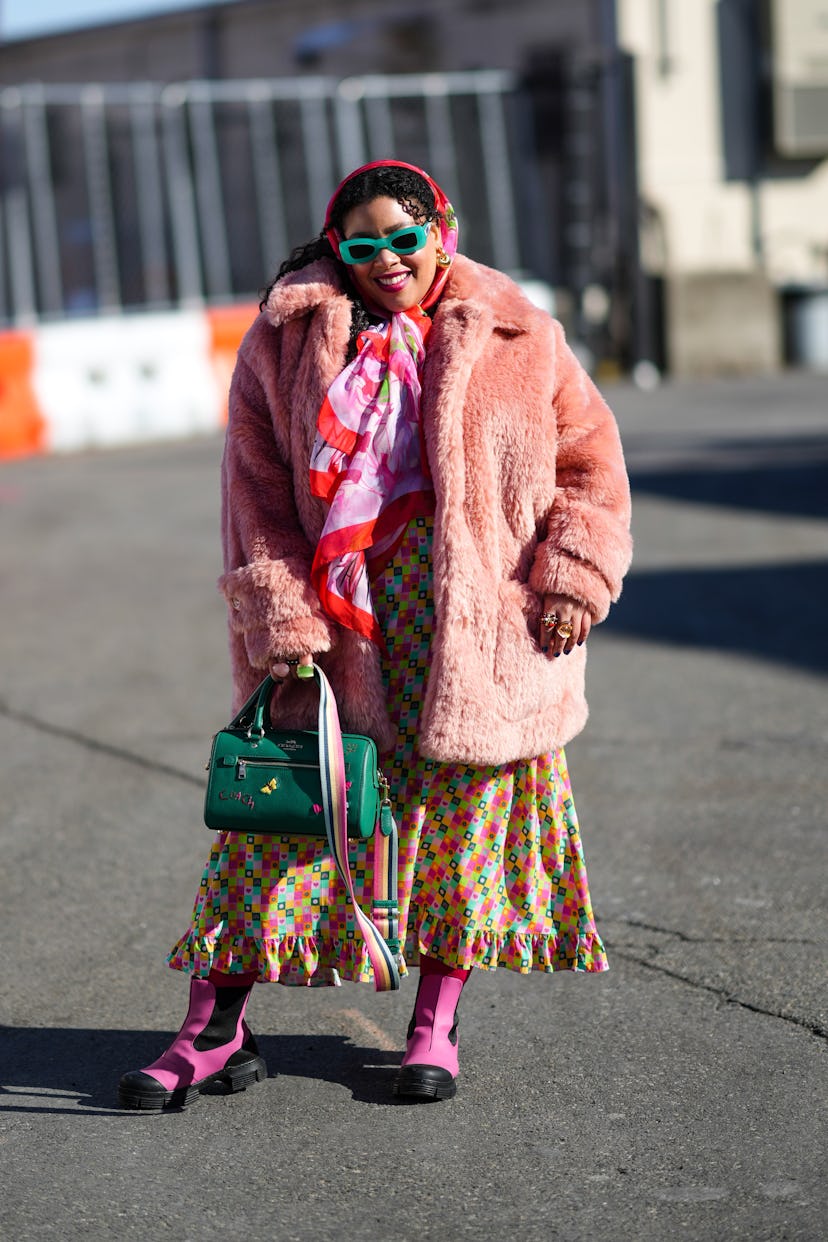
point(403, 241)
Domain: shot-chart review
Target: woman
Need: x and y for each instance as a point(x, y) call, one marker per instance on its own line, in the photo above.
point(424, 493)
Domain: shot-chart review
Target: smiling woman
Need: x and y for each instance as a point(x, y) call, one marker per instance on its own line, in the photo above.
point(390, 277)
point(425, 495)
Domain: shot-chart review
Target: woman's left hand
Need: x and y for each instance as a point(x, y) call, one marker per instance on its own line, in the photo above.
point(569, 616)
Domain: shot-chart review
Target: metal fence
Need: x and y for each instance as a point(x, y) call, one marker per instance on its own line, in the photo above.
point(138, 195)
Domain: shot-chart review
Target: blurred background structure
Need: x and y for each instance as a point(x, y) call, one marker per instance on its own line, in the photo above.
point(655, 172)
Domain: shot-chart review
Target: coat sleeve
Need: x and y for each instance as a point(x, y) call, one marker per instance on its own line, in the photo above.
point(272, 607)
point(587, 548)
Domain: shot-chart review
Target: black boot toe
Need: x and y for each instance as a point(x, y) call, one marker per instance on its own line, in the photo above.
point(425, 1082)
point(139, 1090)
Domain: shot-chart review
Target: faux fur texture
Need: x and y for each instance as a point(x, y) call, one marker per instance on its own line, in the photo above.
point(531, 496)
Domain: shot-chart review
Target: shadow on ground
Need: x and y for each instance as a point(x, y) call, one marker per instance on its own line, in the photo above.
point(60, 1070)
point(774, 612)
point(785, 475)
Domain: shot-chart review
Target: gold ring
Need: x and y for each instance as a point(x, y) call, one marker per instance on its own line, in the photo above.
point(550, 620)
point(565, 629)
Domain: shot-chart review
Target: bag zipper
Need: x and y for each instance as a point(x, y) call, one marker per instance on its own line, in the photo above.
point(242, 764)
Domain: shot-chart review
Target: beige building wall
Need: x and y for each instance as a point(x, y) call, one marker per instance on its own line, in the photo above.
point(706, 223)
point(728, 251)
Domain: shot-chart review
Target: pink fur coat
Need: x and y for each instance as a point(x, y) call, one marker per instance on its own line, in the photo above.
point(531, 497)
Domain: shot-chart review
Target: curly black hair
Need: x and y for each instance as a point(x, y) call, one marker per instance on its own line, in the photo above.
point(411, 191)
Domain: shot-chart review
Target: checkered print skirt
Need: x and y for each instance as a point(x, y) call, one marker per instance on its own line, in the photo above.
point(491, 864)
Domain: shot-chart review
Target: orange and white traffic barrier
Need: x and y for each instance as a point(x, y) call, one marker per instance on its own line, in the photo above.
point(93, 383)
point(23, 428)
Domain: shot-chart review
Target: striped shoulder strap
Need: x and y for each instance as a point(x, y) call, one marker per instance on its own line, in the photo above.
point(377, 932)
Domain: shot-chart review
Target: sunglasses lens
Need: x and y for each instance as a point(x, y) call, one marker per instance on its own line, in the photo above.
point(409, 241)
point(357, 251)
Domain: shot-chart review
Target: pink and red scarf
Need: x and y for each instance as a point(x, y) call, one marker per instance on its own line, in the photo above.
point(368, 460)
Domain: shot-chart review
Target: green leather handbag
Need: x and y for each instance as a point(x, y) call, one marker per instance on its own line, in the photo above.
point(267, 781)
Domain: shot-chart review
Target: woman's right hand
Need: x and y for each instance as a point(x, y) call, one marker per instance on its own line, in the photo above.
point(280, 670)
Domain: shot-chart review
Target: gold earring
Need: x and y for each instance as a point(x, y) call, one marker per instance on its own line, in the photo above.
point(443, 259)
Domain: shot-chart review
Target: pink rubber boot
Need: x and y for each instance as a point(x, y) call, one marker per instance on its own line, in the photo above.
point(429, 1068)
point(213, 1045)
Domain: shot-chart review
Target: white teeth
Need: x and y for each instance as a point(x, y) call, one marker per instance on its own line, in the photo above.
point(392, 282)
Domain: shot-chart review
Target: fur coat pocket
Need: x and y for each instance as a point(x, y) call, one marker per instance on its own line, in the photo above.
point(520, 668)
point(535, 691)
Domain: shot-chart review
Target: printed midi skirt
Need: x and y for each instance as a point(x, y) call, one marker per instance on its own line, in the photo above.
point(491, 864)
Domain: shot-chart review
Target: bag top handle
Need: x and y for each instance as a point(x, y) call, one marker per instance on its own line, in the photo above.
point(254, 716)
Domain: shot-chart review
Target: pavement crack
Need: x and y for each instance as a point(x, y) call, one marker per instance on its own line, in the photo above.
point(813, 1028)
point(155, 766)
point(686, 938)
point(663, 931)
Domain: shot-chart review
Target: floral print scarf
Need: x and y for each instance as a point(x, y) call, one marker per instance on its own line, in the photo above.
point(368, 460)
point(368, 463)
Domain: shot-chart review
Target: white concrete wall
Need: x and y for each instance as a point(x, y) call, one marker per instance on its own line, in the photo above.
point(707, 220)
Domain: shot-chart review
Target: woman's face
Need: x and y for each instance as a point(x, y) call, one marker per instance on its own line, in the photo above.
point(391, 282)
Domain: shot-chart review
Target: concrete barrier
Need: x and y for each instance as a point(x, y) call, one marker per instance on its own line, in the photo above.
point(100, 382)
point(723, 323)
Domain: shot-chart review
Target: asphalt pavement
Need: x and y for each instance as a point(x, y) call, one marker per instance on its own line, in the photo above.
point(680, 1096)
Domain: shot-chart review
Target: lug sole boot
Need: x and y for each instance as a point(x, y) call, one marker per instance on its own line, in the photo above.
point(429, 1068)
point(214, 1045)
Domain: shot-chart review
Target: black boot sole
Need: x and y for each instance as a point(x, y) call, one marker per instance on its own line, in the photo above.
point(137, 1094)
point(425, 1082)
